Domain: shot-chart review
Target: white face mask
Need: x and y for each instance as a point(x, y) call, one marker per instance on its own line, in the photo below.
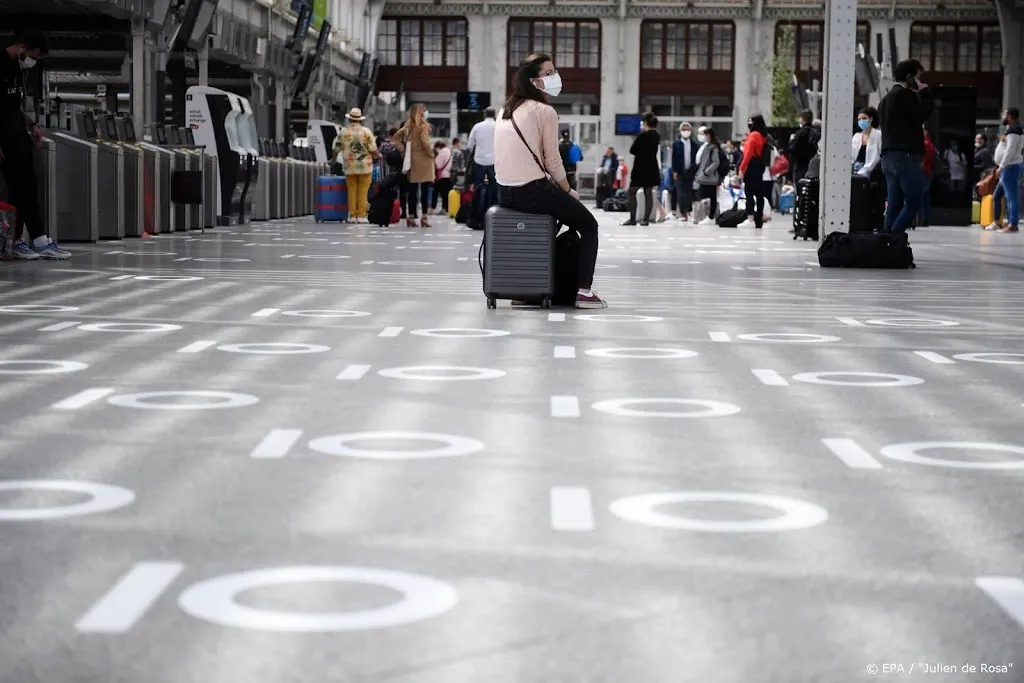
point(552, 84)
point(426, 115)
point(702, 139)
point(685, 134)
point(27, 63)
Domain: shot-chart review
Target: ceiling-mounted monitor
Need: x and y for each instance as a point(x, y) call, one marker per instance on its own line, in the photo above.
point(303, 73)
point(302, 23)
point(161, 13)
point(203, 23)
point(323, 38)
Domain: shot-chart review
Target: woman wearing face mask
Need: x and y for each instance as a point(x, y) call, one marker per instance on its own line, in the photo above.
point(414, 141)
point(708, 173)
point(752, 169)
point(529, 170)
point(867, 153)
point(956, 166)
point(646, 174)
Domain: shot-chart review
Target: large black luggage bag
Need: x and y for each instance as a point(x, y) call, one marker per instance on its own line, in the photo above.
point(863, 212)
point(865, 250)
point(518, 256)
point(805, 209)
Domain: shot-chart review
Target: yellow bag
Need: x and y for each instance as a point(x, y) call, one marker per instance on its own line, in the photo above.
point(454, 202)
point(988, 211)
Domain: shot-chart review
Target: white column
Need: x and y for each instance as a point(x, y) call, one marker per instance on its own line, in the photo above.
point(140, 109)
point(752, 77)
point(620, 94)
point(1012, 31)
point(204, 64)
point(840, 36)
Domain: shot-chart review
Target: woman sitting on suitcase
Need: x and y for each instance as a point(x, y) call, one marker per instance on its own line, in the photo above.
point(867, 153)
point(529, 170)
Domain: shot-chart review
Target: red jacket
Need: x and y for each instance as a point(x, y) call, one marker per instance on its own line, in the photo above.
point(929, 157)
point(753, 147)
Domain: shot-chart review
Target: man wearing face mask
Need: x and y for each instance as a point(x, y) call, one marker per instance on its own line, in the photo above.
point(684, 169)
point(17, 157)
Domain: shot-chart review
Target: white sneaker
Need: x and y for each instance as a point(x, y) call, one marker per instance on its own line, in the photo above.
point(992, 227)
point(708, 221)
point(746, 224)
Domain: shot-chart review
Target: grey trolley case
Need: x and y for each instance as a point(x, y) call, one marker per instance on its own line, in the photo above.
point(517, 256)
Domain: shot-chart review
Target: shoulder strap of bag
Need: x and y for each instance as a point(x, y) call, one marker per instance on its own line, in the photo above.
point(512, 118)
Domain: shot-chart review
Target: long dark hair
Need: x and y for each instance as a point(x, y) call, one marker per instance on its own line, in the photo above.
point(757, 123)
point(710, 137)
point(524, 88)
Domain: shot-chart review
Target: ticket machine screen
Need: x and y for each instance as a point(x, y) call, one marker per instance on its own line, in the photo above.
point(190, 138)
point(161, 135)
point(109, 128)
point(89, 125)
point(173, 136)
point(129, 130)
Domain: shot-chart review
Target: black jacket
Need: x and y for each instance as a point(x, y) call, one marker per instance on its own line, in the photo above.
point(901, 114)
point(646, 151)
point(804, 146)
point(12, 95)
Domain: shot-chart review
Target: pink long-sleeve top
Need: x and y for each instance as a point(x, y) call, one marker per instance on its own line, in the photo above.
point(513, 163)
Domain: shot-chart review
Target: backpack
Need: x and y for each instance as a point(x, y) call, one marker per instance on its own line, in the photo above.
point(575, 155)
point(767, 152)
point(723, 165)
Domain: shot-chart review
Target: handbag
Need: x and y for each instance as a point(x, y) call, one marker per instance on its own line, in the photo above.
point(407, 161)
point(987, 185)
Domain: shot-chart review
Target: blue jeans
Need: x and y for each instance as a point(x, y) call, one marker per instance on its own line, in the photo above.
point(924, 214)
point(492, 183)
point(1009, 181)
point(903, 180)
point(998, 195)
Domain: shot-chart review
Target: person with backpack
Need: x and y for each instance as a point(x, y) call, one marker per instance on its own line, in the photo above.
point(571, 156)
point(756, 159)
point(803, 145)
point(710, 160)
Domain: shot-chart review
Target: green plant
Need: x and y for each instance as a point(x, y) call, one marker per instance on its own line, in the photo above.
point(784, 112)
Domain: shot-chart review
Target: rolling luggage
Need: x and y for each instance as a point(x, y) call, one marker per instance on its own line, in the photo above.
point(330, 199)
point(866, 250)
point(988, 214)
point(517, 256)
point(454, 202)
point(975, 212)
point(731, 218)
point(862, 209)
point(805, 209)
point(616, 204)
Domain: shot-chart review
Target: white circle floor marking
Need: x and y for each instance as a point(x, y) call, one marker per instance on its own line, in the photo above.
point(215, 600)
point(911, 453)
point(404, 263)
point(640, 352)
point(616, 318)
point(340, 444)
point(102, 498)
point(129, 327)
point(676, 263)
point(50, 367)
point(168, 278)
point(775, 268)
point(912, 322)
point(429, 373)
point(274, 349)
point(606, 265)
point(620, 406)
point(797, 514)
point(325, 313)
point(222, 260)
point(880, 379)
point(789, 337)
point(323, 256)
point(36, 308)
point(992, 358)
point(225, 399)
point(460, 332)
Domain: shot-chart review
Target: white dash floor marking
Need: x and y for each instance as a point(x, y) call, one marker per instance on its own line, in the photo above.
point(565, 406)
point(287, 255)
point(122, 277)
point(130, 598)
point(400, 247)
point(276, 444)
point(367, 263)
point(572, 509)
point(565, 352)
point(556, 317)
point(719, 336)
point(82, 399)
point(353, 372)
point(57, 327)
point(770, 378)
point(197, 346)
point(184, 258)
point(737, 267)
point(935, 357)
point(265, 312)
point(391, 332)
point(852, 454)
point(1008, 593)
point(462, 258)
point(852, 322)
point(636, 260)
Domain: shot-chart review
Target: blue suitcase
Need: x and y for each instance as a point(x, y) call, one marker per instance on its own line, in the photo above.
point(330, 199)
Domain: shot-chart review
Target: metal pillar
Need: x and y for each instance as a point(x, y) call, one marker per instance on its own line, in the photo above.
point(138, 89)
point(837, 115)
point(204, 64)
point(160, 113)
point(279, 111)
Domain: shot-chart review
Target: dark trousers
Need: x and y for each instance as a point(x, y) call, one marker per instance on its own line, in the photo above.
point(546, 198)
point(441, 188)
point(479, 173)
point(903, 176)
point(710, 192)
point(648, 203)
point(18, 168)
point(684, 192)
point(570, 177)
point(416, 192)
point(753, 189)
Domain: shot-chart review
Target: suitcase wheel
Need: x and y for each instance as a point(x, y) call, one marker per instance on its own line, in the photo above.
point(492, 303)
point(546, 303)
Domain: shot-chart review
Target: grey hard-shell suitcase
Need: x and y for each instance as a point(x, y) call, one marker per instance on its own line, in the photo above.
point(518, 256)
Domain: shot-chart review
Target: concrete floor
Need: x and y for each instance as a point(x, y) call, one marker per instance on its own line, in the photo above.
point(745, 469)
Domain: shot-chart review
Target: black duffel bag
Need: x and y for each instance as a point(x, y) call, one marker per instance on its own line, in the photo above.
point(865, 250)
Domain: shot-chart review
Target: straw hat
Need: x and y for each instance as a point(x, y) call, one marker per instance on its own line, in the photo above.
point(355, 115)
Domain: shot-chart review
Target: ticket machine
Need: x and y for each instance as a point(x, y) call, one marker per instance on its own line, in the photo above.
point(166, 216)
point(212, 114)
point(134, 191)
point(247, 139)
point(110, 178)
point(320, 136)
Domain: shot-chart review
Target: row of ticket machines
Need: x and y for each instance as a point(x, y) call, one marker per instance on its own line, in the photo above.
point(101, 181)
